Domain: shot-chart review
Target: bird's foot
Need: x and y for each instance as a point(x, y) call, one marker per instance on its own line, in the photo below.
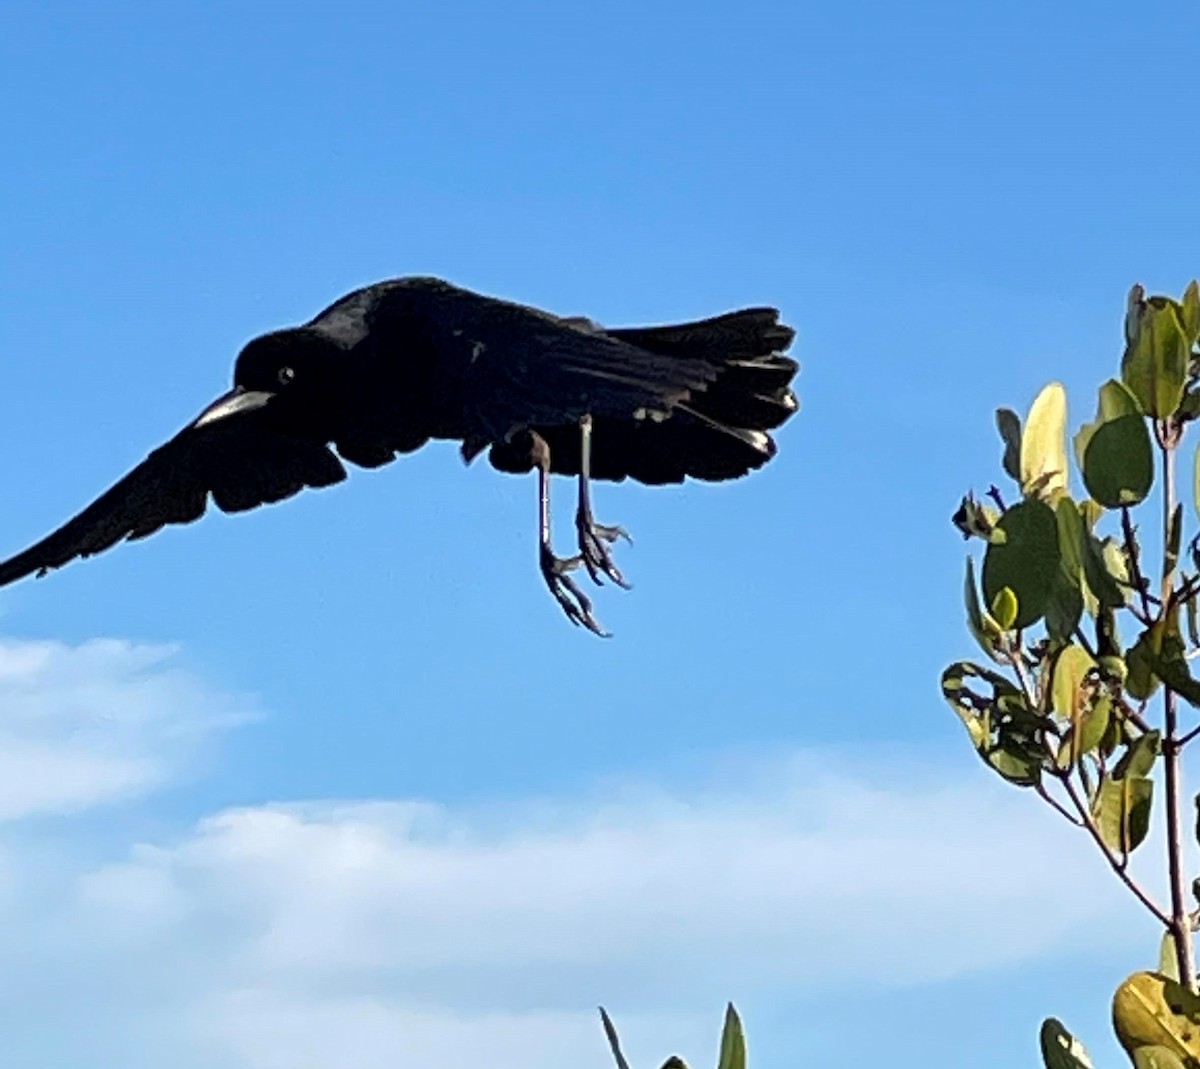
point(594, 540)
point(573, 601)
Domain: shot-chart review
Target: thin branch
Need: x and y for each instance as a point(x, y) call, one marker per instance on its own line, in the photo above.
point(1113, 860)
point(1180, 925)
point(1046, 796)
point(1187, 736)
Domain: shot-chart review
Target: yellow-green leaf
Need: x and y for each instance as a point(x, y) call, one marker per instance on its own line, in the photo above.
point(1043, 444)
point(1156, 358)
point(1070, 668)
point(1004, 608)
point(1189, 312)
point(1121, 810)
point(1151, 1010)
point(733, 1042)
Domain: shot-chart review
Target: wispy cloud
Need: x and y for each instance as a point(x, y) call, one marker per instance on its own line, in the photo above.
point(359, 934)
point(81, 725)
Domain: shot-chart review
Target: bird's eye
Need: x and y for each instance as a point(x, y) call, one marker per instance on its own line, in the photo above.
point(286, 374)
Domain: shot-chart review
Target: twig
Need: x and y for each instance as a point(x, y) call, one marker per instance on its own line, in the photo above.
point(1135, 567)
point(1066, 814)
point(1113, 860)
point(1180, 925)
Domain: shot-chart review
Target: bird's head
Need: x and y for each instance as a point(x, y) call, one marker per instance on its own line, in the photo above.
point(287, 369)
point(286, 361)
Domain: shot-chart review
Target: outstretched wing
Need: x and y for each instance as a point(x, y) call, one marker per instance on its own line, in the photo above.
point(241, 460)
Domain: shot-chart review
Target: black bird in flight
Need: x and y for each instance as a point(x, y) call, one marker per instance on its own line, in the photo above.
point(390, 366)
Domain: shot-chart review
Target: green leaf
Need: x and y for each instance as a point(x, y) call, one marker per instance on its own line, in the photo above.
point(1066, 690)
point(1168, 960)
point(1139, 757)
point(1153, 1012)
point(1064, 608)
point(1196, 480)
point(1060, 1049)
point(1174, 541)
point(1189, 311)
point(1008, 423)
point(1115, 455)
point(733, 1042)
point(1170, 662)
point(1065, 602)
point(985, 630)
point(1098, 568)
point(1094, 724)
point(613, 1042)
point(1140, 658)
point(1115, 404)
point(1026, 561)
point(1043, 444)
point(1005, 732)
point(1004, 608)
point(1121, 810)
point(1157, 353)
point(1159, 1058)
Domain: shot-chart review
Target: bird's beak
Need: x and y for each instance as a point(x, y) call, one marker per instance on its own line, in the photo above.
point(235, 402)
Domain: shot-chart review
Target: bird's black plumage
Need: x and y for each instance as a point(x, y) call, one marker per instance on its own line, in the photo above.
point(392, 365)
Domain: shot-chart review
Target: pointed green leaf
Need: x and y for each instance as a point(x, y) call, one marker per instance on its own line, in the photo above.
point(1004, 608)
point(733, 1042)
point(613, 1042)
point(1168, 960)
point(1196, 480)
point(1189, 312)
point(1156, 358)
point(1174, 541)
point(1008, 423)
point(985, 630)
point(1099, 564)
point(1026, 562)
point(1043, 444)
point(1060, 1049)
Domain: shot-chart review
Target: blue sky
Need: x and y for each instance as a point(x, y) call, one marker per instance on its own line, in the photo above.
point(334, 783)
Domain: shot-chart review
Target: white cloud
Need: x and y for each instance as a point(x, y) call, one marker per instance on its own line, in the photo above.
point(354, 935)
point(80, 725)
point(300, 932)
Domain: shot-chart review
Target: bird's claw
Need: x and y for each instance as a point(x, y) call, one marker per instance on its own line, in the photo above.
point(594, 540)
point(574, 602)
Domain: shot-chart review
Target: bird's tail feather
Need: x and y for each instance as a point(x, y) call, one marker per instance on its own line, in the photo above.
point(719, 432)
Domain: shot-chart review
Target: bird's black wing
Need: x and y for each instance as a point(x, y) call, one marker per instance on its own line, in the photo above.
point(242, 461)
point(498, 366)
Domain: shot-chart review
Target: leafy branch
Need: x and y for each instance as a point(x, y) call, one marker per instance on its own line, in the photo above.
point(1067, 708)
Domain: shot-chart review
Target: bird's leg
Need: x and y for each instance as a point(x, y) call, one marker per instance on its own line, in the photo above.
point(594, 538)
point(556, 570)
